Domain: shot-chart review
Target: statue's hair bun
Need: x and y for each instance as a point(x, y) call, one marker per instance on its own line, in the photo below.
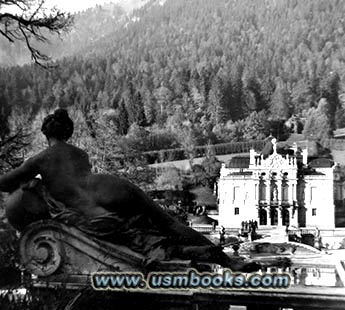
point(58, 125)
point(61, 115)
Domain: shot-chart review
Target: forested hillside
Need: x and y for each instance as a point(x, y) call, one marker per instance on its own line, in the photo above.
point(183, 73)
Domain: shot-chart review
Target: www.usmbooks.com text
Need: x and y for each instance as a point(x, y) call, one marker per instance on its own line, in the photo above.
point(189, 280)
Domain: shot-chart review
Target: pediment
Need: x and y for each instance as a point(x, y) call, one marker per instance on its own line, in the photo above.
point(276, 161)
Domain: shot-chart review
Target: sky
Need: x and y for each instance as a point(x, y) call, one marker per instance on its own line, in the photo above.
point(80, 5)
point(67, 5)
point(77, 5)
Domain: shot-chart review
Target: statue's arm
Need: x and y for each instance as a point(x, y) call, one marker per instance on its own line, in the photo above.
point(13, 179)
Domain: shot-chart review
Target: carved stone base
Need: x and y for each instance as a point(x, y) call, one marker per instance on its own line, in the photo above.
point(54, 250)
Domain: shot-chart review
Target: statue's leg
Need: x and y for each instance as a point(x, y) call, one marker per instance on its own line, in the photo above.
point(118, 195)
point(24, 207)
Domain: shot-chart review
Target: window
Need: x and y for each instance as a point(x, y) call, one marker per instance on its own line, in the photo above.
point(237, 211)
point(236, 193)
point(313, 193)
point(262, 191)
point(313, 212)
point(285, 192)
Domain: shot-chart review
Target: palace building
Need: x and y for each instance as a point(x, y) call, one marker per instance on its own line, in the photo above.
point(277, 190)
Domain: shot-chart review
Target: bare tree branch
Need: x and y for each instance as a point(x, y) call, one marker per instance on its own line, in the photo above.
point(27, 26)
point(39, 7)
point(6, 36)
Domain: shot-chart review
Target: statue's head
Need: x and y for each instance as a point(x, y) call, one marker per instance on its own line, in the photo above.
point(58, 125)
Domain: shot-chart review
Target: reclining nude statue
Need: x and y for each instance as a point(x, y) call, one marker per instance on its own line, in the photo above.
point(100, 205)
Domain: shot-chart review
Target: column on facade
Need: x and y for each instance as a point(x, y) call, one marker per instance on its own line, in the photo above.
point(291, 198)
point(257, 190)
point(268, 212)
point(279, 198)
point(292, 192)
point(279, 190)
point(294, 221)
point(306, 203)
point(268, 190)
point(279, 214)
point(268, 200)
point(290, 215)
point(293, 217)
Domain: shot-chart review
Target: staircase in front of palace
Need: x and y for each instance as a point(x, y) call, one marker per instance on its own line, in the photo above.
point(273, 233)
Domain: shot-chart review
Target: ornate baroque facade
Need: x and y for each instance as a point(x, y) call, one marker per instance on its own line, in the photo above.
point(279, 190)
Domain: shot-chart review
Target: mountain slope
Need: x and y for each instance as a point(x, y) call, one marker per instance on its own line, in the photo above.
point(214, 71)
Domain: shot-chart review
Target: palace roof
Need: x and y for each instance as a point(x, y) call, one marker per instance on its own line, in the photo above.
point(239, 162)
point(321, 163)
